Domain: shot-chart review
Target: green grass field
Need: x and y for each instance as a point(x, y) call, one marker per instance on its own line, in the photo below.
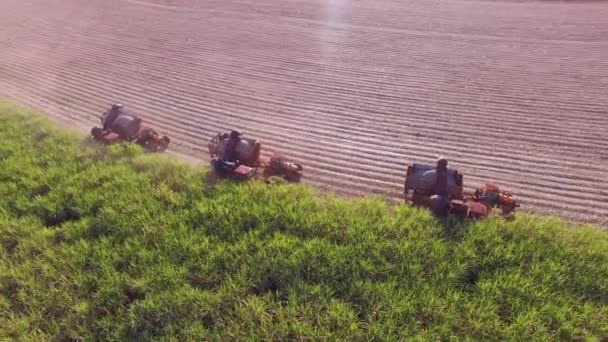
point(110, 243)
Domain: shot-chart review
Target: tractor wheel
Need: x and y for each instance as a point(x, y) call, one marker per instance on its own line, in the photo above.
point(255, 160)
point(147, 143)
point(96, 133)
point(406, 195)
point(440, 206)
point(295, 176)
point(164, 144)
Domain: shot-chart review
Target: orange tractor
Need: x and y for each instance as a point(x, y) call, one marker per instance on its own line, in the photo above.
point(238, 158)
point(121, 125)
point(441, 189)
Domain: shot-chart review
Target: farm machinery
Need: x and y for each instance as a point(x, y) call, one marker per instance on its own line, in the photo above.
point(121, 125)
point(480, 204)
point(279, 166)
point(441, 189)
point(236, 157)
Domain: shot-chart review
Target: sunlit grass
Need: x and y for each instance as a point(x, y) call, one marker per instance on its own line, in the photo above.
point(110, 243)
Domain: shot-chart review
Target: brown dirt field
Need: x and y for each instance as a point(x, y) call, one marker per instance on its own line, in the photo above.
point(512, 92)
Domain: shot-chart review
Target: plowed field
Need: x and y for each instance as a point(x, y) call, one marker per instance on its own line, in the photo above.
point(512, 92)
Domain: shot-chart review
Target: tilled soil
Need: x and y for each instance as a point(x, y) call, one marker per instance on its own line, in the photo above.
point(510, 92)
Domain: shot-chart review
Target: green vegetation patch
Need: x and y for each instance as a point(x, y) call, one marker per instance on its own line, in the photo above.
point(107, 243)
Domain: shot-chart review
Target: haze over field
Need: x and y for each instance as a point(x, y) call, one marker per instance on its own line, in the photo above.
point(511, 92)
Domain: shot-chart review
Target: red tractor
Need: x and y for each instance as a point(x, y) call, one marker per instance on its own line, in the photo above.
point(121, 125)
point(233, 156)
point(441, 190)
point(236, 157)
point(433, 186)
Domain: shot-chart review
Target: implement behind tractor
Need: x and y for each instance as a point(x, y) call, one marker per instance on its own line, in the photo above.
point(441, 189)
point(121, 125)
point(480, 204)
point(279, 166)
